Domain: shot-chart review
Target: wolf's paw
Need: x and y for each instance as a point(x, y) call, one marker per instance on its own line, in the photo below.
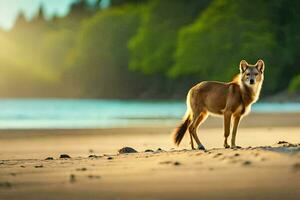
point(226, 146)
point(235, 147)
point(201, 147)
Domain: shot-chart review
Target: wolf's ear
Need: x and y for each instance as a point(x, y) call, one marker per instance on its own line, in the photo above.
point(260, 65)
point(243, 66)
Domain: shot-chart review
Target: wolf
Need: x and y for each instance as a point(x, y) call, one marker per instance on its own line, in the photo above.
point(231, 100)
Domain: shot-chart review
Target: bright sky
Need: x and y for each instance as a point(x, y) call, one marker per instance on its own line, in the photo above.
point(9, 9)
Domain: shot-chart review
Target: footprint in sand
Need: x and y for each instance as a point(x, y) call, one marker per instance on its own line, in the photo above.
point(81, 169)
point(296, 166)
point(176, 163)
point(247, 163)
point(217, 155)
point(72, 178)
point(94, 176)
point(5, 185)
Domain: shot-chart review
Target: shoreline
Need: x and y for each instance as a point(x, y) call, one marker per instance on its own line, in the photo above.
point(250, 121)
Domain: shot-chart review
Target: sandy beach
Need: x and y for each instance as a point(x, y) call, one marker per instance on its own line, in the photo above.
point(267, 167)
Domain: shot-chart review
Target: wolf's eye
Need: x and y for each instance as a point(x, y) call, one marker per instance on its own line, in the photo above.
point(256, 74)
point(248, 74)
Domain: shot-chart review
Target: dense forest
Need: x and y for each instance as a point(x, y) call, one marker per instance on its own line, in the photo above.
point(149, 48)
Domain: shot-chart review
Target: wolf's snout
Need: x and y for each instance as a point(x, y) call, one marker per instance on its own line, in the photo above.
point(251, 81)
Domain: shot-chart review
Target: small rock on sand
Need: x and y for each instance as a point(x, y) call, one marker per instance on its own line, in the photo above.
point(81, 169)
point(49, 158)
point(110, 158)
point(282, 142)
point(176, 163)
point(65, 156)
point(149, 151)
point(39, 166)
point(94, 156)
point(127, 150)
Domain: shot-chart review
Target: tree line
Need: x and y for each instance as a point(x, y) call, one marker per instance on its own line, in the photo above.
point(149, 48)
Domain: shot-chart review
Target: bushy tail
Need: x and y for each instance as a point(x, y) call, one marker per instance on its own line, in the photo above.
point(180, 130)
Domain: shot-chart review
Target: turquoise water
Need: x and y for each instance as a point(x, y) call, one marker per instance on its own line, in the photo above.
point(55, 113)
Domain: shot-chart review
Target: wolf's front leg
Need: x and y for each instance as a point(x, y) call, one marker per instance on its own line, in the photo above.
point(234, 131)
point(227, 119)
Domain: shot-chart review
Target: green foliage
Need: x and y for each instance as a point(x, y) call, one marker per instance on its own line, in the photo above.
point(124, 2)
point(149, 49)
point(152, 48)
point(294, 85)
point(213, 45)
point(102, 54)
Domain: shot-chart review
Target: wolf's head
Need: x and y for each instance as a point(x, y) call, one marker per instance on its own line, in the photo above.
point(252, 75)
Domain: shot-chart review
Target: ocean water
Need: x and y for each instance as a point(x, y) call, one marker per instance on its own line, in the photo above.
point(58, 113)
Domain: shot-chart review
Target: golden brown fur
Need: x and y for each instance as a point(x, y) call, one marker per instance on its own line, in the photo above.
point(232, 100)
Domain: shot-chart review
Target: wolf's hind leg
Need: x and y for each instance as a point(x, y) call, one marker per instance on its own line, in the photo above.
point(193, 128)
point(192, 141)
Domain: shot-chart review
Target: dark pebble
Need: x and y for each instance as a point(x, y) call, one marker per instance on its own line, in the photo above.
point(177, 163)
point(149, 151)
point(127, 150)
point(81, 169)
point(94, 156)
point(64, 156)
point(282, 142)
point(110, 158)
point(49, 158)
point(39, 166)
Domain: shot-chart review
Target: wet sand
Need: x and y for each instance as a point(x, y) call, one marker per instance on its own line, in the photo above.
point(95, 169)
